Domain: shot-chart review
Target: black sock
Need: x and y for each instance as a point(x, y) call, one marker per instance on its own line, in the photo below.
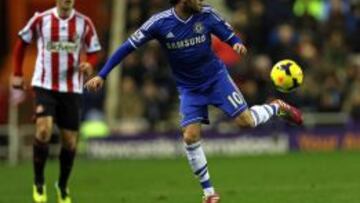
point(40, 154)
point(67, 157)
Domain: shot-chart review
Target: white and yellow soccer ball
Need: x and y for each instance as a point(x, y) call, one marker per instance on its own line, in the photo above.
point(286, 75)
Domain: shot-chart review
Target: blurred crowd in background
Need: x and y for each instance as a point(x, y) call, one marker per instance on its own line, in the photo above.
point(321, 35)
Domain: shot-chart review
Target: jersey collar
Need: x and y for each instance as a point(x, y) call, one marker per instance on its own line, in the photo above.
point(55, 12)
point(179, 19)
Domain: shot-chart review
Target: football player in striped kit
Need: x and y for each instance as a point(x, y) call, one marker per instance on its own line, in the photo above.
point(62, 35)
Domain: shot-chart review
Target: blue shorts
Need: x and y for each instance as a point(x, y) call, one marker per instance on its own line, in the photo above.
point(221, 93)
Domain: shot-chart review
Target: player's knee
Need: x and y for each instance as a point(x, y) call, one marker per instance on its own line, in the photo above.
point(191, 134)
point(191, 137)
point(245, 120)
point(69, 140)
point(44, 129)
point(43, 132)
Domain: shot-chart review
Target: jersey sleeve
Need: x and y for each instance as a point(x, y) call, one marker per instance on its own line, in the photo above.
point(145, 33)
point(220, 27)
point(92, 43)
point(28, 32)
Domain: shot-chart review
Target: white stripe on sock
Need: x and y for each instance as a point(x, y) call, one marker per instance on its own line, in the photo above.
point(261, 113)
point(197, 161)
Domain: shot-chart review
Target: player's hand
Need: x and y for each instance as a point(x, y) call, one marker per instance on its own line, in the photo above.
point(94, 84)
point(17, 82)
point(240, 49)
point(87, 69)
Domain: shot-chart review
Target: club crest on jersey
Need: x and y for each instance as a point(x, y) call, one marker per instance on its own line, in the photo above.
point(199, 28)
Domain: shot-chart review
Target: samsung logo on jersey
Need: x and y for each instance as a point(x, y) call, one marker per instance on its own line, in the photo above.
point(186, 42)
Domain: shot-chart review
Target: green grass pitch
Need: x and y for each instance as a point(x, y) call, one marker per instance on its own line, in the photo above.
point(291, 178)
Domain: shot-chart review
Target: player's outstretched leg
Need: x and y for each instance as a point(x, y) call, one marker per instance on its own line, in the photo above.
point(198, 162)
point(260, 114)
point(256, 115)
point(40, 154)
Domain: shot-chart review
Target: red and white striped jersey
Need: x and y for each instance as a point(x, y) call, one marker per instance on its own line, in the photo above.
point(59, 43)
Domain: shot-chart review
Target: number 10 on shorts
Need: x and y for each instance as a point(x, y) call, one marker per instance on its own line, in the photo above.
point(235, 99)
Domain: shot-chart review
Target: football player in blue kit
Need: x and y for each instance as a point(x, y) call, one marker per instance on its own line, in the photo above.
point(184, 31)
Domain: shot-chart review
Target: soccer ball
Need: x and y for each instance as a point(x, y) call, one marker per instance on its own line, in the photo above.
point(286, 75)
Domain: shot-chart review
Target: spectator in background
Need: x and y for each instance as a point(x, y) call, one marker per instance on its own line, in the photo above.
point(337, 12)
point(133, 15)
point(355, 27)
point(258, 72)
point(279, 12)
point(331, 95)
point(234, 4)
point(257, 31)
point(335, 50)
point(154, 105)
point(283, 43)
point(132, 67)
point(240, 21)
point(352, 71)
point(352, 101)
point(308, 50)
point(307, 95)
point(308, 14)
point(132, 107)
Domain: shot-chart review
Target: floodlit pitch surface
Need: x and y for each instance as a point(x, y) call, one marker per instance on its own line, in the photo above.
point(293, 178)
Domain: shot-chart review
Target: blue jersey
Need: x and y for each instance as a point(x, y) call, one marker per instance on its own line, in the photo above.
point(188, 44)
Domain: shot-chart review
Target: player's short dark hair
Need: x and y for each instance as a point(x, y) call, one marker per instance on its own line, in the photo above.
point(174, 2)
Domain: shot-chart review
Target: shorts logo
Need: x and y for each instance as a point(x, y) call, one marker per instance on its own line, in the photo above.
point(199, 28)
point(40, 109)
